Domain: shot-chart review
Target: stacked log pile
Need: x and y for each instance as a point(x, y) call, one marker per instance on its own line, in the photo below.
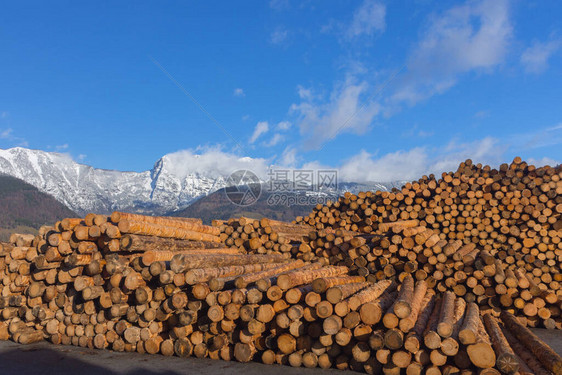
point(258, 307)
point(493, 236)
point(262, 236)
point(466, 269)
point(78, 276)
point(512, 212)
point(475, 202)
point(446, 265)
point(417, 283)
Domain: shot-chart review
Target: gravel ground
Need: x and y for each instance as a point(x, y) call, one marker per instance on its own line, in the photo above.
point(44, 358)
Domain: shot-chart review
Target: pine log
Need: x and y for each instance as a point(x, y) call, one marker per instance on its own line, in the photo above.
point(183, 262)
point(338, 293)
point(370, 293)
point(247, 279)
point(180, 222)
point(414, 338)
point(403, 305)
point(506, 360)
point(322, 284)
point(549, 359)
point(295, 278)
point(139, 243)
point(149, 229)
point(407, 323)
point(150, 256)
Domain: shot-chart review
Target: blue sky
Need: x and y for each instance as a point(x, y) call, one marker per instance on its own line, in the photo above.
point(381, 90)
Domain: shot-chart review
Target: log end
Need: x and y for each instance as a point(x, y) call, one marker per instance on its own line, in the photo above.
point(402, 309)
point(481, 355)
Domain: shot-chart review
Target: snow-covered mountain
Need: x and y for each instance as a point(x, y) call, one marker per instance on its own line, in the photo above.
point(171, 185)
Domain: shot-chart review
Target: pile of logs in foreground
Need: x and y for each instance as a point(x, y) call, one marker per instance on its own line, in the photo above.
point(369, 283)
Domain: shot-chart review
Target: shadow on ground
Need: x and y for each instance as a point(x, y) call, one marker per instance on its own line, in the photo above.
point(41, 360)
point(47, 359)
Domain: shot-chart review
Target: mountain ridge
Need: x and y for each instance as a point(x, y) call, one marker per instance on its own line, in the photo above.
point(171, 185)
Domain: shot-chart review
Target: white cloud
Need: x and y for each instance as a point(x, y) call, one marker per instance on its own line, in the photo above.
point(239, 92)
point(414, 163)
point(551, 136)
point(7, 133)
point(289, 157)
point(471, 37)
point(394, 166)
point(4, 114)
point(367, 19)
point(322, 120)
point(543, 161)
point(409, 165)
point(274, 140)
point(262, 127)
point(82, 157)
point(283, 125)
point(62, 147)
point(278, 36)
point(474, 36)
point(212, 162)
point(535, 58)
point(304, 93)
point(245, 117)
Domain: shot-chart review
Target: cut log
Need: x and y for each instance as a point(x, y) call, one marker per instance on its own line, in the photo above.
point(184, 262)
point(149, 229)
point(181, 222)
point(481, 353)
point(338, 293)
point(370, 293)
point(296, 278)
point(414, 338)
point(245, 280)
point(529, 364)
point(322, 284)
point(139, 243)
point(447, 315)
point(506, 360)
point(406, 324)
point(469, 330)
point(403, 305)
point(549, 359)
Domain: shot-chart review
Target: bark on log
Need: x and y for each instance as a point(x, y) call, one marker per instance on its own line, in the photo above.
point(549, 359)
point(149, 229)
point(134, 242)
point(506, 360)
point(183, 262)
point(370, 293)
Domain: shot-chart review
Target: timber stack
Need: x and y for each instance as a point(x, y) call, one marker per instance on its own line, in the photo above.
point(492, 236)
point(262, 236)
point(469, 271)
point(385, 292)
point(512, 213)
